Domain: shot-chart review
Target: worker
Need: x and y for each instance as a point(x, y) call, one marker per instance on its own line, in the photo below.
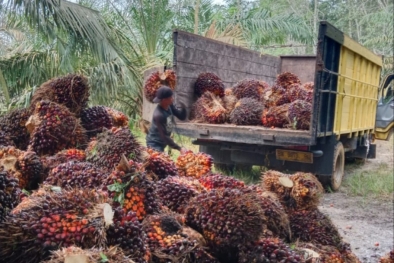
point(162, 124)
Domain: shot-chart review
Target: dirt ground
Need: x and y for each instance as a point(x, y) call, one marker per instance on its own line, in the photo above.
point(368, 225)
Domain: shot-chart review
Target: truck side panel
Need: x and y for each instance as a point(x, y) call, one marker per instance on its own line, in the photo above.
point(195, 54)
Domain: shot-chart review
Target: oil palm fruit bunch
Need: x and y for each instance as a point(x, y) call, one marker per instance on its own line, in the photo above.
point(314, 226)
point(91, 255)
point(54, 128)
point(110, 145)
point(13, 125)
point(71, 91)
point(5, 139)
point(126, 232)
point(157, 79)
point(276, 96)
point(132, 190)
point(229, 100)
point(250, 88)
point(50, 162)
point(94, 119)
point(76, 174)
point(268, 250)
point(225, 217)
point(25, 165)
point(209, 109)
point(389, 258)
point(9, 193)
point(309, 85)
point(247, 111)
point(194, 164)
point(119, 119)
point(286, 79)
point(166, 239)
point(275, 217)
point(160, 164)
point(276, 116)
point(280, 184)
point(54, 220)
point(296, 92)
point(208, 81)
point(306, 191)
point(300, 112)
point(175, 192)
point(219, 181)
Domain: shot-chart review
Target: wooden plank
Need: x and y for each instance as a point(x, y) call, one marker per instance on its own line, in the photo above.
point(244, 134)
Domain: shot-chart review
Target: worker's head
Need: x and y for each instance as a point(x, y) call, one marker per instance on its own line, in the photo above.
point(164, 96)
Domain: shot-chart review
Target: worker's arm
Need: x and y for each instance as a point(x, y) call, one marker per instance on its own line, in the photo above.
point(160, 124)
point(179, 113)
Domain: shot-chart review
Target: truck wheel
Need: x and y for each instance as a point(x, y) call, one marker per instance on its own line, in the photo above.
point(338, 169)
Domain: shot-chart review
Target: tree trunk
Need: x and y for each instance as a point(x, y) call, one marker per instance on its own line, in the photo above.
point(196, 11)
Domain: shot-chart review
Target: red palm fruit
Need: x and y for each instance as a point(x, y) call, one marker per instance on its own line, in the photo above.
point(250, 88)
point(247, 111)
point(276, 116)
point(94, 119)
point(209, 109)
point(286, 79)
point(160, 164)
point(119, 119)
point(300, 115)
point(219, 181)
point(194, 164)
point(157, 79)
point(9, 193)
point(13, 127)
point(50, 162)
point(208, 81)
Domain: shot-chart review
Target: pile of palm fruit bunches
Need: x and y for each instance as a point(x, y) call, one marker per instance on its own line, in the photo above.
point(76, 186)
point(286, 104)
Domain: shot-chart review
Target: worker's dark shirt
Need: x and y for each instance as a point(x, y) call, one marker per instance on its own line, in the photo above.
point(162, 126)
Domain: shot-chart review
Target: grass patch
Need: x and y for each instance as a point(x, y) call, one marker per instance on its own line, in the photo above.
point(377, 183)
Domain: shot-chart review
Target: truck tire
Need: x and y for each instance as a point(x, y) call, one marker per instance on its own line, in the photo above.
point(338, 170)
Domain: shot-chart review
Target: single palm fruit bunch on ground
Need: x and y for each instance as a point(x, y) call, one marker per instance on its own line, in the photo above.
point(160, 164)
point(286, 79)
point(268, 250)
point(132, 190)
point(276, 96)
point(299, 115)
point(220, 181)
point(306, 191)
point(5, 139)
point(119, 119)
point(94, 119)
point(25, 165)
point(225, 217)
point(9, 193)
point(309, 85)
point(54, 220)
point(247, 111)
point(54, 128)
point(208, 81)
point(175, 192)
point(91, 255)
point(157, 79)
point(106, 150)
point(276, 116)
point(166, 240)
point(250, 88)
point(229, 100)
point(50, 162)
point(314, 226)
point(275, 217)
point(297, 92)
point(13, 125)
point(76, 174)
point(127, 233)
point(194, 164)
point(71, 91)
point(278, 183)
point(208, 109)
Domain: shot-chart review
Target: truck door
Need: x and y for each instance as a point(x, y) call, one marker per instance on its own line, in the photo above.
point(385, 110)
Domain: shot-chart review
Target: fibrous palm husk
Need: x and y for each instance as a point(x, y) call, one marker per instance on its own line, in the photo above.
point(306, 191)
point(71, 91)
point(276, 116)
point(157, 79)
point(91, 255)
point(208, 109)
point(229, 100)
point(275, 96)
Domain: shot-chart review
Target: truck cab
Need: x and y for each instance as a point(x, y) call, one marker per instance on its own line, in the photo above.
point(385, 110)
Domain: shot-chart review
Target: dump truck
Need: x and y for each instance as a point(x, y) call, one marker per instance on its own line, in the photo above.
point(346, 104)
